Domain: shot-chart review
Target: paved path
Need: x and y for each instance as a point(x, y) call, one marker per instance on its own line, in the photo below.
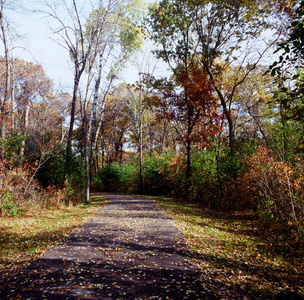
point(129, 250)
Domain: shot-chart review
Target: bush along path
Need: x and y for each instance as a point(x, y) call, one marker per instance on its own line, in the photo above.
point(129, 250)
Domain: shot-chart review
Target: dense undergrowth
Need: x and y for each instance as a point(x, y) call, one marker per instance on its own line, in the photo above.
point(26, 185)
point(264, 185)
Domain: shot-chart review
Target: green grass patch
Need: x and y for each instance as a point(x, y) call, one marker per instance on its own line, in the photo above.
point(239, 258)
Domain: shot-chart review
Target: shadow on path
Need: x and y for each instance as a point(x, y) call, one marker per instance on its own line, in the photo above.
point(129, 250)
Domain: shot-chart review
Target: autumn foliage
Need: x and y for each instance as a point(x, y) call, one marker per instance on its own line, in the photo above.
point(215, 131)
point(274, 187)
point(193, 109)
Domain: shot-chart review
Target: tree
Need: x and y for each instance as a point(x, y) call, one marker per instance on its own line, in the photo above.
point(253, 106)
point(7, 74)
point(121, 38)
point(288, 70)
point(101, 42)
point(289, 97)
point(188, 102)
point(31, 84)
point(81, 46)
point(220, 34)
point(115, 124)
point(31, 88)
point(39, 113)
point(118, 41)
point(291, 50)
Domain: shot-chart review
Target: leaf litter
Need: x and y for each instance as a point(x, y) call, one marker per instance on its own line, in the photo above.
point(238, 256)
point(129, 250)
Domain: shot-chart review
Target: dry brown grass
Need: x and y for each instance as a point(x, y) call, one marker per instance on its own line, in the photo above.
point(239, 258)
point(26, 237)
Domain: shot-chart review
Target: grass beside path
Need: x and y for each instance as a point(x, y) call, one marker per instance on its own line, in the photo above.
point(239, 258)
point(26, 237)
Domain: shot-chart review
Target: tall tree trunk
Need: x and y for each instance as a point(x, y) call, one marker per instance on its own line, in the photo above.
point(99, 121)
point(140, 151)
point(93, 113)
point(140, 137)
point(285, 145)
point(13, 125)
point(188, 170)
point(86, 154)
point(7, 80)
point(163, 137)
point(73, 111)
point(24, 126)
point(227, 113)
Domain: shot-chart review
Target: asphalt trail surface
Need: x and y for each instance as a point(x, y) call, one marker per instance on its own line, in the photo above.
point(131, 249)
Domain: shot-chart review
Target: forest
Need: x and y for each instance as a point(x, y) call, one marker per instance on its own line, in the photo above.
point(215, 116)
point(223, 128)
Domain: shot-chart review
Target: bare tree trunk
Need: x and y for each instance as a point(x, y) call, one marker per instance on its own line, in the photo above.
point(163, 137)
point(78, 74)
point(99, 122)
point(141, 185)
point(86, 154)
point(173, 140)
point(7, 80)
point(285, 145)
point(93, 113)
point(188, 170)
point(140, 151)
point(188, 146)
point(25, 125)
point(13, 100)
point(260, 127)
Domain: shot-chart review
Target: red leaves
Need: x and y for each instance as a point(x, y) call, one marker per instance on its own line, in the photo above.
point(198, 90)
point(273, 186)
point(191, 105)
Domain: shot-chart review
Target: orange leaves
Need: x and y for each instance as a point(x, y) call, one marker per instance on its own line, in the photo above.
point(176, 161)
point(273, 186)
point(263, 164)
point(175, 166)
point(190, 104)
point(198, 89)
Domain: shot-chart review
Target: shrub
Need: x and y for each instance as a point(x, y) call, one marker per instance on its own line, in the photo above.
point(116, 178)
point(204, 174)
point(164, 174)
point(273, 187)
point(175, 173)
point(52, 172)
point(109, 177)
point(17, 181)
point(152, 175)
point(8, 206)
point(20, 191)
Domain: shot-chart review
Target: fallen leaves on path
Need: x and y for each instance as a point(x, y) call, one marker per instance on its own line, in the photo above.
point(128, 250)
point(28, 236)
point(239, 258)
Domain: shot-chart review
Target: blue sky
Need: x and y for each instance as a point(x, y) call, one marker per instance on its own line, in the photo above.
point(33, 41)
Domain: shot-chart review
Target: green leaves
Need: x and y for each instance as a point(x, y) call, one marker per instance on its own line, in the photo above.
point(292, 49)
point(169, 25)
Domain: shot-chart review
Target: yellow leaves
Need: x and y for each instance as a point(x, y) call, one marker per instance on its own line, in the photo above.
point(260, 8)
